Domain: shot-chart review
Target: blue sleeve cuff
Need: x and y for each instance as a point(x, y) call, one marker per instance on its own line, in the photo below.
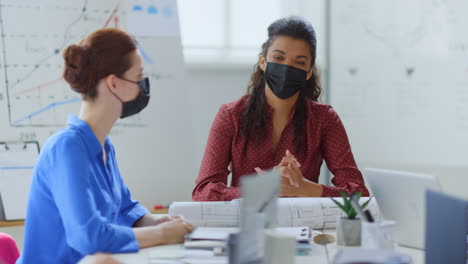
point(108, 238)
point(126, 240)
point(133, 215)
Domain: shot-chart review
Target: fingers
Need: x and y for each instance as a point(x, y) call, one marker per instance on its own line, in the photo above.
point(286, 189)
point(290, 160)
point(292, 173)
point(173, 218)
point(259, 171)
point(188, 227)
point(288, 154)
point(286, 161)
point(288, 168)
point(164, 219)
point(183, 220)
point(297, 174)
point(286, 172)
point(184, 223)
point(179, 217)
point(104, 258)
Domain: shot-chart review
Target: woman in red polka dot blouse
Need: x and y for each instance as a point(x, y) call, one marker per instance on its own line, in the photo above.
point(279, 124)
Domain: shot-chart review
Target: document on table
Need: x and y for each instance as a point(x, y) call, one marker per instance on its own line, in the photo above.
point(317, 213)
point(222, 233)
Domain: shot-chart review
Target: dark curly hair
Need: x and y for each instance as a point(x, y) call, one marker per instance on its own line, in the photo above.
point(255, 115)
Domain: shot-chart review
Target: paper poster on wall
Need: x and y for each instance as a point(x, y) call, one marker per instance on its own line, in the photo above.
point(16, 167)
point(35, 100)
point(153, 18)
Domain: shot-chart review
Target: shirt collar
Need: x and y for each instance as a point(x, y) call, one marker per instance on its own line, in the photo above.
point(271, 110)
point(92, 143)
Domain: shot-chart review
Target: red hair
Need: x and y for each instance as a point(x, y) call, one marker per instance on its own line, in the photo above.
point(103, 52)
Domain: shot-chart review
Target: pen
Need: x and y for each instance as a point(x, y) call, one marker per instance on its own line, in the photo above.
point(365, 214)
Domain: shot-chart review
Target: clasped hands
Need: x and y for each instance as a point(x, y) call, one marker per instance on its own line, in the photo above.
point(293, 183)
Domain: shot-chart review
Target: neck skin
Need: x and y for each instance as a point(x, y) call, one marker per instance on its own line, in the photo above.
point(283, 108)
point(101, 112)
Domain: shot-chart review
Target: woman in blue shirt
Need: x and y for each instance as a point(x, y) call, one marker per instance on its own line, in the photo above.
point(78, 204)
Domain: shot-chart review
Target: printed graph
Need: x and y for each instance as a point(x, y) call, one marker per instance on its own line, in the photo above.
point(31, 56)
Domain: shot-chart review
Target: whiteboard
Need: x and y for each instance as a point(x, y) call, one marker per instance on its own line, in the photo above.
point(35, 101)
point(399, 80)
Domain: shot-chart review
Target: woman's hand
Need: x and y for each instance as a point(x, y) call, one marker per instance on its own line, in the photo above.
point(293, 183)
point(289, 168)
point(306, 189)
point(174, 230)
point(171, 231)
point(288, 190)
point(151, 220)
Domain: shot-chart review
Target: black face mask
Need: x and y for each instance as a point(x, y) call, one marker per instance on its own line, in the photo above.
point(135, 106)
point(284, 80)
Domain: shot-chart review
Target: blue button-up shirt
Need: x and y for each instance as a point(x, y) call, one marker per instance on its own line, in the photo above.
point(77, 204)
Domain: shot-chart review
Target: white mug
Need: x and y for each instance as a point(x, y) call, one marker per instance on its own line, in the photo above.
point(378, 235)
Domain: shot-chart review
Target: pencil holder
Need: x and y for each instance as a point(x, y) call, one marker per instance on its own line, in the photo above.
point(279, 248)
point(378, 235)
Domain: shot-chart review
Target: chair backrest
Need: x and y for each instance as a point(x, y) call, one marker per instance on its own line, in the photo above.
point(9, 252)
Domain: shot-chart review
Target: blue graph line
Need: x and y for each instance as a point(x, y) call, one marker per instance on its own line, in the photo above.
point(137, 8)
point(16, 168)
point(45, 109)
point(152, 10)
point(145, 56)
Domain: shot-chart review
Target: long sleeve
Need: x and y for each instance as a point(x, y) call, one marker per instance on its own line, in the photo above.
point(86, 230)
point(131, 210)
point(336, 152)
point(211, 184)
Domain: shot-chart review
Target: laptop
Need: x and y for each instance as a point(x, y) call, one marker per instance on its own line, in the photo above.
point(446, 229)
point(401, 196)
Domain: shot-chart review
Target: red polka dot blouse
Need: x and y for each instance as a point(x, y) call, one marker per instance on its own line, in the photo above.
point(227, 151)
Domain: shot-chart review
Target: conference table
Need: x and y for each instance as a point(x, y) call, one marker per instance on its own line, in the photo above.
point(320, 254)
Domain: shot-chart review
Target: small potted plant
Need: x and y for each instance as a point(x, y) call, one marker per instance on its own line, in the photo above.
point(348, 228)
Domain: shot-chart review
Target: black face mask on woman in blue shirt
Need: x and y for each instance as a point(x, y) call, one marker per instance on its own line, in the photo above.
point(284, 80)
point(135, 106)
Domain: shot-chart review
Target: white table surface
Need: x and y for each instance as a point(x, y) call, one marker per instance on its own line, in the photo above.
point(319, 254)
point(416, 254)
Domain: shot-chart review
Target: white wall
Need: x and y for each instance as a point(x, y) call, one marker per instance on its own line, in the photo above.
point(207, 90)
point(401, 92)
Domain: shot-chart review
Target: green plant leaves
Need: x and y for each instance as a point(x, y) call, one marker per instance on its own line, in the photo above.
point(342, 207)
point(366, 203)
point(347, 207)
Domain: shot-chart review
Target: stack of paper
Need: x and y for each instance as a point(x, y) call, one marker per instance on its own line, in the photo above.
point(212, 237)
point(316, 213)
